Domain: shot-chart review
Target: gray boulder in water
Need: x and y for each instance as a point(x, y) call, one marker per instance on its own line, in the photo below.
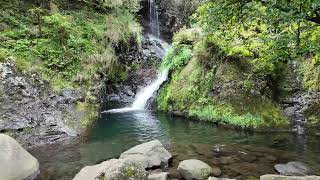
point(150, 154)
point(114, 169)
point(194, 169)
point(293, 168)
point(281, 177)
point(15, 162)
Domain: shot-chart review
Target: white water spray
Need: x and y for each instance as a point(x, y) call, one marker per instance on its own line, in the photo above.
point(141, 100)
point(154, 18)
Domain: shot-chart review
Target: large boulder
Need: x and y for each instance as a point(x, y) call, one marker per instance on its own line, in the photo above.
point(150, 154)
point(294, 168)
point(113, 169)
point(15, 162)
point(194, 169)
point(281, 177)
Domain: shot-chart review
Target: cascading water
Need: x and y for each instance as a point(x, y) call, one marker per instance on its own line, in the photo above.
point(141, 100)
point(154, 18)
point(142, 97)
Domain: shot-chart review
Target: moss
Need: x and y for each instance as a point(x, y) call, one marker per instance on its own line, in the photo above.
point(310, 71)
point(89, 113)
point(237, 102)
point(313, 114)
point(130, 172)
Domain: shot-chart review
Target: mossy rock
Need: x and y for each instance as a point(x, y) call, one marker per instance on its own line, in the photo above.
point(227, 93)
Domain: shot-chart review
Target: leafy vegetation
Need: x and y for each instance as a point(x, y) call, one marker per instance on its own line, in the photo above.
point(237, 58)
point(70, 44)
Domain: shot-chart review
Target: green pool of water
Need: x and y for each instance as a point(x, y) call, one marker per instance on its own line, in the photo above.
point(238, 154)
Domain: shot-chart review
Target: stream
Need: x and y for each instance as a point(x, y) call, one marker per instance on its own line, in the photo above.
point(238, 154)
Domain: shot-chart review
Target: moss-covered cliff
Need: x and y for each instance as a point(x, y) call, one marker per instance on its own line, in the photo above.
point(209, 85)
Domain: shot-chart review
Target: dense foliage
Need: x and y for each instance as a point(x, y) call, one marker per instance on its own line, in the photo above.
point(68, 46)
point(269, 33)
point(227, 67)
point(71, 44)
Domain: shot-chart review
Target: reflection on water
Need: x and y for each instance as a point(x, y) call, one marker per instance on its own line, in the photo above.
point(115, 133)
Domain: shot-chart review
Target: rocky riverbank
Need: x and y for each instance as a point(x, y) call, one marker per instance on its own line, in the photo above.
point(153, 162)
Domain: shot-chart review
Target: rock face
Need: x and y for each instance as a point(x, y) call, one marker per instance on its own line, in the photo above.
point(158, 176)
point(150, 154)
point(31, 112)
point(293, 169)
point(194, 169)
point(123, 94)
point(113, 169)
point(281, 177)
point(16, 162)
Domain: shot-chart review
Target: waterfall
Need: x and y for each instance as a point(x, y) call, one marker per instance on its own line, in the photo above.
point(142, 98)
point(154, 18)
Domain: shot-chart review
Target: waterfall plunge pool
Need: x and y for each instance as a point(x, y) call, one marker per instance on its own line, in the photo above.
point(238, 154)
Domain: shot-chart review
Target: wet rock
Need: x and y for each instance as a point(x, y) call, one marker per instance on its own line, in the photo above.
point(278, 177)
point(150, 154)
point(215, 178)
point(247, 157)
point(16, 162)
point(158, 176)
point(226, 160)
point(194, 169)
point(271, 158)
point(113, 169)
point(294, 168)
point(32, 112)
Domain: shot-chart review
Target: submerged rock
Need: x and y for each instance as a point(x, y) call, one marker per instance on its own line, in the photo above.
point(281, 177)
point(16, 162)
point(150, 154)
point(113, 169)
point(194, 169)
point(158, 176)
point(294, 168)
point(214, 178)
